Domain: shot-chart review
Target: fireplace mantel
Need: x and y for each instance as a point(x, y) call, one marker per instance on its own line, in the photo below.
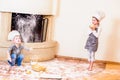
point(45, 7)
point(44, 50)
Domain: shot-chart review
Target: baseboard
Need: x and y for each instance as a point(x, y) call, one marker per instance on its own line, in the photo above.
point(83, 59)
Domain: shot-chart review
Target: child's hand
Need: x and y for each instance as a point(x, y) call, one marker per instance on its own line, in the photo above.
point(9, 59)
point(92, 27)
point(31, 49)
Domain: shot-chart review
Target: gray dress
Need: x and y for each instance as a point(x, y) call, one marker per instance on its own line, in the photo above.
point(92, 43)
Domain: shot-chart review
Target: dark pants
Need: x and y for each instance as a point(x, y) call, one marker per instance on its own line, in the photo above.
point(16, 59)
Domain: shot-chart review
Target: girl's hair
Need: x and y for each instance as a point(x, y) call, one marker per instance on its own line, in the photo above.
point(97, 20)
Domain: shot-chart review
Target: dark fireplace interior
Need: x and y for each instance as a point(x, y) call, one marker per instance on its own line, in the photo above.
point(33, 28)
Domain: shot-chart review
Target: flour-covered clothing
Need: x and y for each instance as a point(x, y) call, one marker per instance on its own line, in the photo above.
point(92, 41)
point(17, 50)
point(16, 55)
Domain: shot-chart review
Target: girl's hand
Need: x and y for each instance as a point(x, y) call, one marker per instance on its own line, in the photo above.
point(92, 27)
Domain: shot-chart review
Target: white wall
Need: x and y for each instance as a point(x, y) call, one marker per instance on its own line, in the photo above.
point(72, 22)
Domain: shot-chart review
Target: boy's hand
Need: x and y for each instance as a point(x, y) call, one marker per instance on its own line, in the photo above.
point(9, 59)
point(31, 49)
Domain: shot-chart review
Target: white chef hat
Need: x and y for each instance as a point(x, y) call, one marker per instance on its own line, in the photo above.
point(12, 34)
point(99, 15)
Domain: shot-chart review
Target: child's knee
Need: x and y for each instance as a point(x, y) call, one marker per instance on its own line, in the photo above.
point(21, 56)
point(13, 56)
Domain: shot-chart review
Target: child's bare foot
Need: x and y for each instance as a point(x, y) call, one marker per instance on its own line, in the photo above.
point(10, 68)
point(89, 69)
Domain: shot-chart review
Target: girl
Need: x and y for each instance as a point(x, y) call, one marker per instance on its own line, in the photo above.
point(92, 41)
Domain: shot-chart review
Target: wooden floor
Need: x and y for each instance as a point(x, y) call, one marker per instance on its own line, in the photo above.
point(111, 72)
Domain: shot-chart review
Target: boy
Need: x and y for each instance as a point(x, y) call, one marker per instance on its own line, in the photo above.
point(15, 57)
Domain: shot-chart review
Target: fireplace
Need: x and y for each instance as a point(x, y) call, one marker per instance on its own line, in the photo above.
point(33, 28)
point(44, 47)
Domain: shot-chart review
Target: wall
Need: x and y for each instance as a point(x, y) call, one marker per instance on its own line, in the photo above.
point(71, 26)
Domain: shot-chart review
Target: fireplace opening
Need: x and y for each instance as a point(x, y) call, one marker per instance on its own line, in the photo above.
point(33, 28)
